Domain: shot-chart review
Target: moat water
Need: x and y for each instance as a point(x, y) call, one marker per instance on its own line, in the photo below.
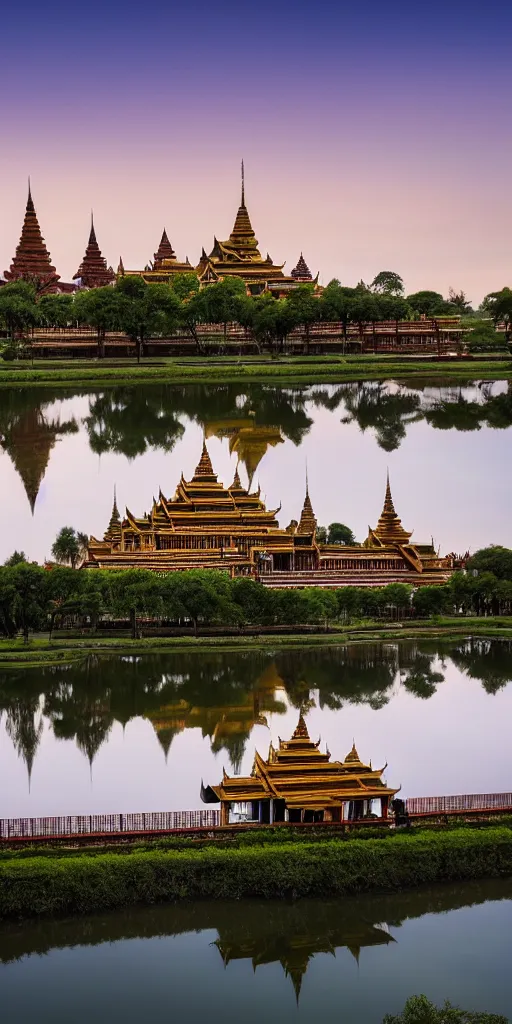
point(447, 449)
point(121, 734)
point(348, 960)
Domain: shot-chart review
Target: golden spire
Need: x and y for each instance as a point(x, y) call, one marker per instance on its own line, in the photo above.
point(114, 526)
point(301, 731)
point(307, 524)
point(204, 466)
point(242, 236)
point(389, 528)
point(353, 756)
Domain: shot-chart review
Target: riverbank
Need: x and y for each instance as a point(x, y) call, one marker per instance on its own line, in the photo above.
point(32, 886)
point(40, 650)
point(284, 370)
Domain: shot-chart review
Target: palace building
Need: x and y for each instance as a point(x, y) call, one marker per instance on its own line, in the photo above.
point(163, 268)
point(297, 782)
point(207, 525)
point(240, 257)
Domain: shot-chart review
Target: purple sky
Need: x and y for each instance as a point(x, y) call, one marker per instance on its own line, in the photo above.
point(373, 138)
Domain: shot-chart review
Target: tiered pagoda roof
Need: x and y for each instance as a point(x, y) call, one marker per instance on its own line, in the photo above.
point(32, 261)
point(302, 272)
point(304, 777)
point(164, 252)
point(239, 255)
point(93, 271)
point(307, 522)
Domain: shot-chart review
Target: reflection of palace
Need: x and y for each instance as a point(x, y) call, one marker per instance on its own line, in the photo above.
point(298, 782)
point(206, 525)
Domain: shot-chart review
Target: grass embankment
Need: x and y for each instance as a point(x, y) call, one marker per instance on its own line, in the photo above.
point(42, 651)
point(290, 370)
point(82, 883)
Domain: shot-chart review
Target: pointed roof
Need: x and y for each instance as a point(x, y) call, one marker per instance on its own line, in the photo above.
point(302, 272)
point(307, 523)
point(204, 467)
point(242, 237)
point(352, 756)
point(301, 729)
point(114, 526)
point(165, 252)
point(32, 261)
point(93, 271)
point(389, 529)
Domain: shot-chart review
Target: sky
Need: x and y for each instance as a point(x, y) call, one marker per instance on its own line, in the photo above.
point(374, 136)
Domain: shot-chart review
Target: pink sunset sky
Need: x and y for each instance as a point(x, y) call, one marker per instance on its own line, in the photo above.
point(369, 142)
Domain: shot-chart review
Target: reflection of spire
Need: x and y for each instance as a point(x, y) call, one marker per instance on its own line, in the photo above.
point(301, 729)
point(28, 438)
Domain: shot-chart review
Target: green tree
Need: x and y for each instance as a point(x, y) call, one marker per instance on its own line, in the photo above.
point(430, 304)
point(336, 303)
point(429, 601)
point(185, 286)
point(388, 283)
point(56, 310)
point(146, 309)
point(99, 308)
point(304, 308)
point(69, 546)
point(16, 558)
point(338, 533)
point(222, 302)
point(494, 559)
point(499, 307)
point(459, 301)
point(483, 336)
point(419, 1010)
point(18, 308)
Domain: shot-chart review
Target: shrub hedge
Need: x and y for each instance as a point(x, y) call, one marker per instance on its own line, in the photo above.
point(82, 884)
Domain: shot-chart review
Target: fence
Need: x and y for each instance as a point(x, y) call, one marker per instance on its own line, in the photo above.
point(465, 802)
point(167, 821)
point(91, 824)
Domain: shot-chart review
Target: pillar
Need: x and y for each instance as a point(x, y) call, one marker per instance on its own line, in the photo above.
point(384, 800)
point(224, 813)
point(260, 812)
point(271, 811)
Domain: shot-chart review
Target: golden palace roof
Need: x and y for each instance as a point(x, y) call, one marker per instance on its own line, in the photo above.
point(300, 774)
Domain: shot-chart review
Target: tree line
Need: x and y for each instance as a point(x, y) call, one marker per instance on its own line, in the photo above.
point(143, 311)
point(37, 598)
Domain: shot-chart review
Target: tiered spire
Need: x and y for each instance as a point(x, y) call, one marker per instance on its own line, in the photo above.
point(301, 729)
point(242, 236)
point(32, 261)
point(114, 526)
point(165, 252)
point(204, 466)
point(302, 272)
point(307, 523)
point(93, 271)
point(389, 528)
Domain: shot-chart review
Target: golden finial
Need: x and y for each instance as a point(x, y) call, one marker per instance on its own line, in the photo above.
point(243, 185)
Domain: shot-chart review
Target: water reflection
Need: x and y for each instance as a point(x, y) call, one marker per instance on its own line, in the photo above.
point(253, 417)
point(378, 934)
point(226, 695)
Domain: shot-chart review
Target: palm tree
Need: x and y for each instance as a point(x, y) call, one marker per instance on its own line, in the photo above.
point(69, 546)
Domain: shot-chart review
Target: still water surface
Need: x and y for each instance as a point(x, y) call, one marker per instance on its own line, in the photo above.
point(446, 447)
point(121, 734)
point(333, 960)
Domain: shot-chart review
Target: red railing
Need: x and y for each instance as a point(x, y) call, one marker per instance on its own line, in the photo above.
point(88, 824)
point(461, 803)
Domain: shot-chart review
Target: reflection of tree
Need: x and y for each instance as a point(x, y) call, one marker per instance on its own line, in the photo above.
point(373, 406)
point(226, 694)
point(489, 661)
point(132, 419)
point(24, 726)
point(28, 434)
point(416, 672)
point(289, 932)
